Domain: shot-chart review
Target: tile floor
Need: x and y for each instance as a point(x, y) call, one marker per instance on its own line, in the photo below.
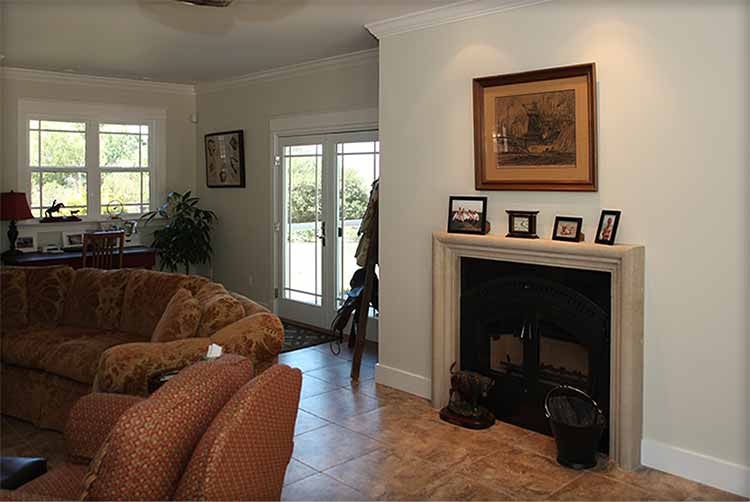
point(364, 441)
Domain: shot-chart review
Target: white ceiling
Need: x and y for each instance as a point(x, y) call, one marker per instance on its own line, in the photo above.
point(168, 41)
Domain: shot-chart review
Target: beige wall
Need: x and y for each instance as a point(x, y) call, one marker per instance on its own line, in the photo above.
point(673, 145)
point(243, 238)
point(180, 131)
point(181, 145)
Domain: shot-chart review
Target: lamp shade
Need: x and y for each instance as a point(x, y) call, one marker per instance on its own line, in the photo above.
point(14, 206)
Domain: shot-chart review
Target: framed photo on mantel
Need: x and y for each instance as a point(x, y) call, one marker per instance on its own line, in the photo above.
point(536, 130)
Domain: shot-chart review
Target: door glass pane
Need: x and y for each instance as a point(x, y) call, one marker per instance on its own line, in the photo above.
point(357, 165)
point(303, 251)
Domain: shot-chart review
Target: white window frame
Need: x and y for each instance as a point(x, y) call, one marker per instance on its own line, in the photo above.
point(94, 114)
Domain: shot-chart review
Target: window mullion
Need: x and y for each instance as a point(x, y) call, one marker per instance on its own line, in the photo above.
point(93, 182)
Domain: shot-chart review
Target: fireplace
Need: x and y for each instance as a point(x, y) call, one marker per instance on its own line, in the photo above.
point(532, 328)
point(564, 354)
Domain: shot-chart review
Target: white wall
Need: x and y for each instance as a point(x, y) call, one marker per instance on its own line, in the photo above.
point(673, 155)
point(243, 238)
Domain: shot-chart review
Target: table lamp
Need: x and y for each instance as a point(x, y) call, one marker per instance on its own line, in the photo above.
point(13, 207)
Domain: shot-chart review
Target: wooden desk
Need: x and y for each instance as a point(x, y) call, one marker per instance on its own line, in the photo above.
point(134, 257)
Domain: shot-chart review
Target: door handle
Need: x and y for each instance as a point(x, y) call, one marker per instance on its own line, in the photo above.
point(322, 235)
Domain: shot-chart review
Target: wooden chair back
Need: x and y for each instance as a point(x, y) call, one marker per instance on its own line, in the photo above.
point(103, 249)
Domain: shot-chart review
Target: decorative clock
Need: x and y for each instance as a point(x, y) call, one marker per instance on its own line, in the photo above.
point(522, 224)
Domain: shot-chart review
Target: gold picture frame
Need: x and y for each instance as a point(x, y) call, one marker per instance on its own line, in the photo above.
point(536, 130)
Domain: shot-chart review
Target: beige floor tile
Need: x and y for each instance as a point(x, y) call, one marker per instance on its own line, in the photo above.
point(385, 474)
point(307, 422)
point(703, 492)
point(296, 471)
point(339, 404)
point(331, 445)
point(320, 487)
point(457, 487)
point(591, 486)
point(309, 359)
point(340, 373)
point(522, 474)
point(312, 386)
point(390, 424)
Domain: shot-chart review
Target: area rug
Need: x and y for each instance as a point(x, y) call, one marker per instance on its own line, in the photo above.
point(298, 337)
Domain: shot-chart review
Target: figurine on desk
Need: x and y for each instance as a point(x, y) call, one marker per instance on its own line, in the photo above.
point(55, 208)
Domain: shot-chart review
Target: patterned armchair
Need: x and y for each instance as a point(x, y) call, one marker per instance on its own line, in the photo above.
point(210, 433)
point(67, 332)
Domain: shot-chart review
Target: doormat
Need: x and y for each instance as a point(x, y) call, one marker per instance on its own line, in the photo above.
point(298, 337)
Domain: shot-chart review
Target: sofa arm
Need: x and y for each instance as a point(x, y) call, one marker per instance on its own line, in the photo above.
point(91, 419)
point(126, 368)
point(258, 337)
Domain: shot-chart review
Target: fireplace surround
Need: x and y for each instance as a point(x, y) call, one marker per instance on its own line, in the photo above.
point(625, 266)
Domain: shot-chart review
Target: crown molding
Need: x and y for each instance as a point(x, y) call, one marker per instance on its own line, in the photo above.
point(295, 70)
point(123, 84)
point(437, 16)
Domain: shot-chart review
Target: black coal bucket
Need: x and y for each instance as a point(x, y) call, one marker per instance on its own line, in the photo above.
point(577, 423)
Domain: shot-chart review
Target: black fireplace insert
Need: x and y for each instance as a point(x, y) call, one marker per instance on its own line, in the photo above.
point(532, 328)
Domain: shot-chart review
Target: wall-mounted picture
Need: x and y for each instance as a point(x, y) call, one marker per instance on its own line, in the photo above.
point(72, 240)
point(26, 243)
point(536, 130)
point(567, 228)
point(467, 215)
point(225, 159)
point(607, 229)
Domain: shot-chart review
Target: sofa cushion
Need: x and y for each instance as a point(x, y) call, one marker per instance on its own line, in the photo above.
point(95, 299)
point(209, 290)
point(78, 358)
point(149, 447)
point(14, 307)
point(218, 311)
point(146, 297)
point(48, 288)
point(27, 348)
point(180, 319)
point(248, 305)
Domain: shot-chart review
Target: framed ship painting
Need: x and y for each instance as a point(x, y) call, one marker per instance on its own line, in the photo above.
point(536, 130)
point(225, 159)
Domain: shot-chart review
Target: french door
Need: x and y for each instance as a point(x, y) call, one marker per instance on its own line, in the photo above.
point(322, 188)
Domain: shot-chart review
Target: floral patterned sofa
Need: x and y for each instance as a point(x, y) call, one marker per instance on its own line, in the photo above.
point(66, 333)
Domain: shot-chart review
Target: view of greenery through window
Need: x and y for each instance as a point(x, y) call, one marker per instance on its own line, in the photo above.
point(302, 205)
point(57, 157)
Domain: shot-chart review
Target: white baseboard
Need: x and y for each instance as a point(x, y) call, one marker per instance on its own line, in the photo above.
point(403, 380)
point(710, 471)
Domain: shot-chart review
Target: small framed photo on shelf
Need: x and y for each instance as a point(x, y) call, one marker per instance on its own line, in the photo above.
point(567, 228)
point(26, 243)
point(607, 229)
point(467, 215)
point(72, 240)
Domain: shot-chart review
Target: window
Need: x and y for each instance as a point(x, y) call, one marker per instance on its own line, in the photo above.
point(99, 162)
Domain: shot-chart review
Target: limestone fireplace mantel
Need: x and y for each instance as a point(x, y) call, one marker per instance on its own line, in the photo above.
point(625, 263)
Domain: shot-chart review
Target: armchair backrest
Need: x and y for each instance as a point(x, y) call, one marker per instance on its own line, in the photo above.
point(245, 452)
point(149, 447)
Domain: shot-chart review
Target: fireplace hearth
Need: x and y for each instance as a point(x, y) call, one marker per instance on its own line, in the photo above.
point(531, 328)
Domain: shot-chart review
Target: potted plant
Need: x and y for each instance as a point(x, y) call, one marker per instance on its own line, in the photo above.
point(186, 237)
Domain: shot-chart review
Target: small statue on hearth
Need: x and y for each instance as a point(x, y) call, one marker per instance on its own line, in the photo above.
point(467, 388)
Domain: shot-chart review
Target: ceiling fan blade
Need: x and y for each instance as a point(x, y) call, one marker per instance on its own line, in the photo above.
point(208, 3)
